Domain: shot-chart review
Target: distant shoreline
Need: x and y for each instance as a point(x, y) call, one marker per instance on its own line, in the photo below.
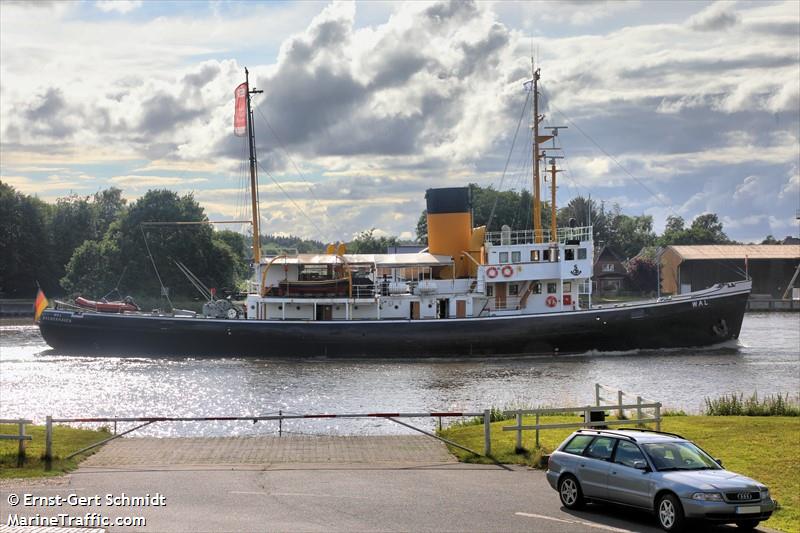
point(17, 321)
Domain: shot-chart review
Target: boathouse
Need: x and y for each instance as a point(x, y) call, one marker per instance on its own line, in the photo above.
point(773, 268)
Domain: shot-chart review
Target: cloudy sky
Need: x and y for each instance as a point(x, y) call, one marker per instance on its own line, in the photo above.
point(671, 107)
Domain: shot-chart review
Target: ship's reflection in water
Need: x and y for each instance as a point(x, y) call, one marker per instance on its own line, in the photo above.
point(36, 382)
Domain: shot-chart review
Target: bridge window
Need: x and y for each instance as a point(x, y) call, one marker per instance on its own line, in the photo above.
point(516, 257)
point(535, 256)
point(569, 254)
point(567, 286)
point(490, 290)
point(551, 288)
point(581, 253)
point(513, 289)
point(504, 257)
point(537, 288)
point(545, 255)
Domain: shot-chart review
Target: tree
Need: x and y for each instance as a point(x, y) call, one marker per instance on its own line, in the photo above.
point(24, 245)
point(643, 273)
point(367, 243)
point(770, 240)
point(705, 229)
point(629, 234)
point(134, 247)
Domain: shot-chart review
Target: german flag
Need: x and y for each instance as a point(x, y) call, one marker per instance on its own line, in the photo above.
point(39, 306)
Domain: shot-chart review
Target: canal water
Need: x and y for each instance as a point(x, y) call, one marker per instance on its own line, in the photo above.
point(36, 382)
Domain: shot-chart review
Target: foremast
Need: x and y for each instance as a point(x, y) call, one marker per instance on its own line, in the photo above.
point(251, 138)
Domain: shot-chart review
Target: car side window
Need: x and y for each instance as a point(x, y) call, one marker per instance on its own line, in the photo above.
point(601, 448)
point(627, 453)
point(578, 444)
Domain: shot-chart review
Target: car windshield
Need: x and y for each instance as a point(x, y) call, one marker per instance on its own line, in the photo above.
point(679, 456)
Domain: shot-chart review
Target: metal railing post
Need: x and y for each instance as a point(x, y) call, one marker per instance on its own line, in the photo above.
point(658, 416)
point(639, 410)
point(519, 431)
point(487, 432)
point(597, 394)
point(21, 451)
point(537, 430)
point(48, 443)
point(620, 412)
point(280, 423)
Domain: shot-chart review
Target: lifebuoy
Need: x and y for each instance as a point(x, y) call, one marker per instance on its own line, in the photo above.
point(491, 272)
point(551, 301)
point(508, 271)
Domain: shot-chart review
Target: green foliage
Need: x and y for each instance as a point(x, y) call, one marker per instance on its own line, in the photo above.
point(125, 246)
point(705, 229)
point(24, 245)
point(275, 244)
point(367, 243)
point(643, 273)
point(737, 405)
point(629, 234)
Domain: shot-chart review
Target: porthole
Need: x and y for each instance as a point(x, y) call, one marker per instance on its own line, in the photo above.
point(397, 307)
point(430, 305)
point(280, 307)
point(298, 307)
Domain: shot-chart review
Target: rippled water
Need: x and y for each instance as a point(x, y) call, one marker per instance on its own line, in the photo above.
point(35, 382)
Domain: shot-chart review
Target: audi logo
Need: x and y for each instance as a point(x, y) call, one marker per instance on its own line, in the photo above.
point(744, 496)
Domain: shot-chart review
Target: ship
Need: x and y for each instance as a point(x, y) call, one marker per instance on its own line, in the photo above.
point(469, 293)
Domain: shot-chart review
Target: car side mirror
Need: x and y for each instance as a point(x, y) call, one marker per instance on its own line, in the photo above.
point(719, 461)
point(640, 465)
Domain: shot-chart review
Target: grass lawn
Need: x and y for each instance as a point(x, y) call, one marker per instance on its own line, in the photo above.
point(65, 441)
point(765, 448)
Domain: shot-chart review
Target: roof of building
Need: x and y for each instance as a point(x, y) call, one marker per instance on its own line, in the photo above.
point(381, 260)
point(737, 251)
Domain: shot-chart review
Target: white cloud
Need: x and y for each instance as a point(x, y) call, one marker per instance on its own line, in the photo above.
point(791, 190)
point(120, 6)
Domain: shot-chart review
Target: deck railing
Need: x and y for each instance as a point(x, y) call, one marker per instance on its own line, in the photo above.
point(563, 235)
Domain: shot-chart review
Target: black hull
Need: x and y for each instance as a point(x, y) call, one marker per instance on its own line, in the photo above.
point(704, 318)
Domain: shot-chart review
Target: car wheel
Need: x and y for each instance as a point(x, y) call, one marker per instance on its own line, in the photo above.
point(569, 490)
point(670, 513)
point(748, 525)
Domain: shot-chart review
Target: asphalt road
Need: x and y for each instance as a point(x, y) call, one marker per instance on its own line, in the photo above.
point(304, 497)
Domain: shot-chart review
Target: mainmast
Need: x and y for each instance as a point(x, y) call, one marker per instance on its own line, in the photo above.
point(537, 193)
point(253, 180)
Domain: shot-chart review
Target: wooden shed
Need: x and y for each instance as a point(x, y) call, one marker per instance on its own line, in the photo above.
point(695, 267)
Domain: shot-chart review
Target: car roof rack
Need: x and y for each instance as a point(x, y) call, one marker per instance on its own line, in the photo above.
point(645, 430)
point(611, 431)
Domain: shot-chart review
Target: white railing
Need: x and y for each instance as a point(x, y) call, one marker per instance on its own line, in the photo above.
point(587, 411)
point(620, 397)
point(583, 233)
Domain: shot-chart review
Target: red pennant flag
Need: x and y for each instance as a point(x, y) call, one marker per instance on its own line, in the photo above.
point(240, 115)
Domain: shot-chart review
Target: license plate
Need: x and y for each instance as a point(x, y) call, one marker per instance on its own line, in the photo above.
point(748, 509)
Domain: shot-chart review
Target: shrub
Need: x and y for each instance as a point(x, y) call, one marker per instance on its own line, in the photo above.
point(737, 405)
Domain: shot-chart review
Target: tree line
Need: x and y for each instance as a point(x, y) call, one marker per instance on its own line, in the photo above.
point(91, 245)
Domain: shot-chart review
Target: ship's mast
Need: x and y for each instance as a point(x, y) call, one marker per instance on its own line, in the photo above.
point(251, 136)
point(537, 193)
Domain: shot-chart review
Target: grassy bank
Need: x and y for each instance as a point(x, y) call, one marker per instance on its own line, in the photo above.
point(66, 440)
point(764, 448)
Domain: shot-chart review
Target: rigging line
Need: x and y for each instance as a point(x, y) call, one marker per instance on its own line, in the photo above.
point(637, 180)
point(503, 177)
point(276, 182)
point(164, 292)
point(299, 172)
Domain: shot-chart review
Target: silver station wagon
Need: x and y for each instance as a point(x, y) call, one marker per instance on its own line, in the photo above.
point(660, 472)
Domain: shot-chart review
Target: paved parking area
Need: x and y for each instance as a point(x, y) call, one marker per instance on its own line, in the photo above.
point(270, 449)
point(260, 484)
